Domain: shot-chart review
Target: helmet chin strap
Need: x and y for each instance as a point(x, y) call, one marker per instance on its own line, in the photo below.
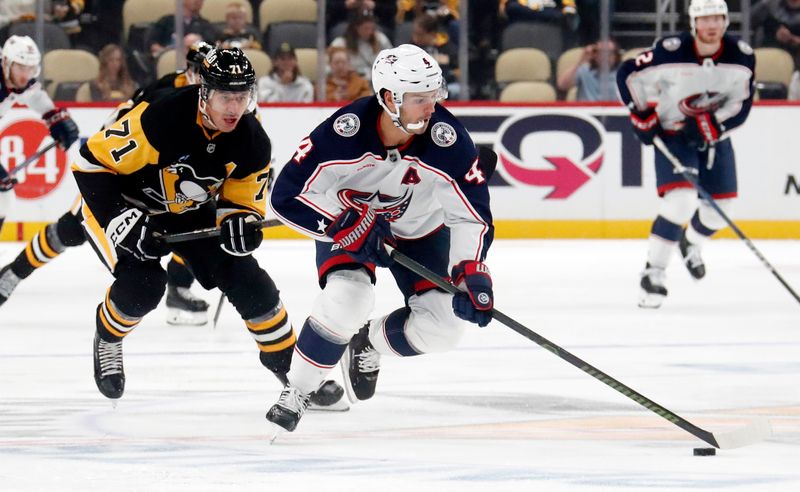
point(396, 117)
point(206, 119)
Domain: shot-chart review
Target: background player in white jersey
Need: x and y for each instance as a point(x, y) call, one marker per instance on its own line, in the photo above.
point(691, 90)
point(400, 168)
point(19, 85)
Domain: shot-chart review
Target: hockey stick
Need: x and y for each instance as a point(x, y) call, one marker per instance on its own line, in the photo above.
point(219, 310)
point(755, 431)
point(209, 232)
point(679, 167)
point(33, 158)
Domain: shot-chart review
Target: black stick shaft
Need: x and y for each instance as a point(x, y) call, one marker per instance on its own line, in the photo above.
point(30, 160)
point(209, 232)
point(708, 198)
point(576, 361)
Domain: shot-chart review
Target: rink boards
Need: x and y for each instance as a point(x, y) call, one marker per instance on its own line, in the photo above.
point(564, 170)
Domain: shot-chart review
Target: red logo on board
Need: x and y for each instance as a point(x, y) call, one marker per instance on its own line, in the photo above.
point(22, 139)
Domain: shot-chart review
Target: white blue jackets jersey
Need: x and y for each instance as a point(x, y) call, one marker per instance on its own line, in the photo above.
point(432, 180)
point(32, 96)
point(679, 82)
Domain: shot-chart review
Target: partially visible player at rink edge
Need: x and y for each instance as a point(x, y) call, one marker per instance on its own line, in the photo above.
point(19, 84)
point(183, 307)
point(691, 90)
point(190, 159)
point(394, 167)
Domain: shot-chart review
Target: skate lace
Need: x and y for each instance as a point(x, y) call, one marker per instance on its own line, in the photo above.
point(110, 357)
point(8, 282)
point(657, 276)
point(369, 360)
point(292, 399)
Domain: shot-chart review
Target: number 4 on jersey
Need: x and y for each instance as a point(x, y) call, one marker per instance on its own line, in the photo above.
point(302, 150)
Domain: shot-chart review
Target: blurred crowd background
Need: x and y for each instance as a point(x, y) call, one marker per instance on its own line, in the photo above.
point(305, 51)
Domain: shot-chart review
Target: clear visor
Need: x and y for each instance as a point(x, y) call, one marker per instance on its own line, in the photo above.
point(416, 99)
point(230, 102)
point(18, 70)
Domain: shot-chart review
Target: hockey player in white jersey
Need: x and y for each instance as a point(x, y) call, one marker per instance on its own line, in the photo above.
point(691, 90)
point(19, 85)
point(399, 168)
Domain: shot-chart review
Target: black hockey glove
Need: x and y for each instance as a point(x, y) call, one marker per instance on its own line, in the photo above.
point(475, 303)
point(131, 234)
point(645, 124)
point(702, 130)
point(362, 235)
point(240, 233)
point(62, 128)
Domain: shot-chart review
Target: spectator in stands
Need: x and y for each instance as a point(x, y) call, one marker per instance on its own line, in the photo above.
point(113, 82)
point(563, 11)
point(426, 35)
point(285, 83)
point(162, 37)
point(585, 74)
point(63, 13)
point(343, 83)
point(384, 11)
point(237, 33)
point(363, 42)
point(777, 24)
point(444, 11)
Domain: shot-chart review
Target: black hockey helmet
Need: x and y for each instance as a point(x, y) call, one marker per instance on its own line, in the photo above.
point(196, 54)
point(227, 69)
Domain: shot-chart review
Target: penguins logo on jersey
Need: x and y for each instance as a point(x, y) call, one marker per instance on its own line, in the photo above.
point(696, 104)
point(182, 190)
point(391, 207)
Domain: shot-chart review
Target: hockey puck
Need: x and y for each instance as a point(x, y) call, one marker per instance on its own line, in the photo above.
point(705, 451)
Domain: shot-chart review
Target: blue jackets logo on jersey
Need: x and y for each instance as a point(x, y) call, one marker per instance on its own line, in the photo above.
point(556, 132)
point(391, 207)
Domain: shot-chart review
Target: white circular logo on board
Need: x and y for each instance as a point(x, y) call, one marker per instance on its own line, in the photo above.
point(443, 134)
point(347, 125)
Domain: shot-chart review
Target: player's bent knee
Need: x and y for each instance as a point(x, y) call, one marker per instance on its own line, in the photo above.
point(711, 219)
point(432, 325)
point(344, 304)
point(69, 230)
point(678, 205)
point(139, 287)
point(247, 286)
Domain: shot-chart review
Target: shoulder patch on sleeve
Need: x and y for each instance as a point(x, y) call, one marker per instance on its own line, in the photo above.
point(744, 47)
point(671, 44)
point(347, 124)
point(443, 134)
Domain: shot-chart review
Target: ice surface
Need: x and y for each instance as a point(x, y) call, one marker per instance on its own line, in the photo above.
point(499, 413)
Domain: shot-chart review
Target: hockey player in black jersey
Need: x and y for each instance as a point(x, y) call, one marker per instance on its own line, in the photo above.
point(187, 160)
point(691, 90)
point(394, 167)
point(183, 307)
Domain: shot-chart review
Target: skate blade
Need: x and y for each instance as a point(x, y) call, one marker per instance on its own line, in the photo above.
point(651, 301)
point(340, 406)
point(275, 432)
point(179, 317)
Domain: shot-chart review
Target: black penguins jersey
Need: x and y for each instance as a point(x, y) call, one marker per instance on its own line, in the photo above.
point(161, 159)
point(678, 81)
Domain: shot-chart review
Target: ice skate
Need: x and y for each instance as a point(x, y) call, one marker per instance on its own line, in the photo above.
point(184, 308)
point(653, 290)
point(360, 366)
point(8, 282)
point(108, 371)
point(328, 398)
point(691, 258)
point(290, 408)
